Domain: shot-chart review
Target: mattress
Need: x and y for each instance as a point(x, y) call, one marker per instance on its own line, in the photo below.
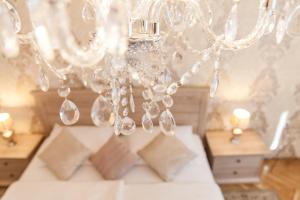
point(196, 171)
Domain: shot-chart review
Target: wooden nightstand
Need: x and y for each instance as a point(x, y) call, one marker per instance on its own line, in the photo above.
point(235, 163)
point(13, 160)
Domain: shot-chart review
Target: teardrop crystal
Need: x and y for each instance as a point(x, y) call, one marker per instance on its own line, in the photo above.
point(153, 109)
point(147, 123)
point(280, 29)
point(101, 112)
point(88, 12)
point(69, 113)
point(231, 24)
point(128, 126)
point(214, 84)
point(167, 123)
point(43, 81)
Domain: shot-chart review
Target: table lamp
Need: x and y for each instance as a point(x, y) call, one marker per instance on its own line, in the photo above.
point(240, 121)
point(6, 128)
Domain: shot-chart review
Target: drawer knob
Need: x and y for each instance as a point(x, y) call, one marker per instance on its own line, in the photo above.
point(238, 161)
point(5, 163)
point(11, 175)
point(235, 173)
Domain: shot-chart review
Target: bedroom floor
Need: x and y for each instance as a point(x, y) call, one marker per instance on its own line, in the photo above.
point(284, 178)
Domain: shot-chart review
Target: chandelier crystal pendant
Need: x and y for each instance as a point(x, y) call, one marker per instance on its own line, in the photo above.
point(128, 47)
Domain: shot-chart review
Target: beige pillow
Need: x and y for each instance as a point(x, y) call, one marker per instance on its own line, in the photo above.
point(64, 155)
point(166, 155)
point(114, 158)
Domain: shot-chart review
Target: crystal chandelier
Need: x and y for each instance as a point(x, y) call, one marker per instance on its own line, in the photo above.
point(128, 48)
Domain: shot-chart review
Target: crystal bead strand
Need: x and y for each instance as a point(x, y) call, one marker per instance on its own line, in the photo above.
point(215, 79)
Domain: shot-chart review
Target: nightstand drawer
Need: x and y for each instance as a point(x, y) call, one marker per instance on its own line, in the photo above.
point(225, 162)
point(235, 173)
point(12, 164)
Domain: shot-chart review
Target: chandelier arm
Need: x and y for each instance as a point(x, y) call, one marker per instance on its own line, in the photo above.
point(265, 13)
point(289, 20)
point(51, 36)
point(8, 35)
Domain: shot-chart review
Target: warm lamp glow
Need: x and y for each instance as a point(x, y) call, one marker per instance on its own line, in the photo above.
point(4, 117)
point(240, 121)
point(240, 118)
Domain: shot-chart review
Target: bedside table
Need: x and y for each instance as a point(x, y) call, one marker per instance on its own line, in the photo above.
point(235, 163)
point(14, 159)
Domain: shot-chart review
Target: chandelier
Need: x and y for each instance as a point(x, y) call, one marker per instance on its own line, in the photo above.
point(128, 48)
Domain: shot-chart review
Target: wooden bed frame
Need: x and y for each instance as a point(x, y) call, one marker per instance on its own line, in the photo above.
point(190, 106)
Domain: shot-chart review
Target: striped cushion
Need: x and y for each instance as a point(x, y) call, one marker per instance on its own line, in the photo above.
point(114, 159)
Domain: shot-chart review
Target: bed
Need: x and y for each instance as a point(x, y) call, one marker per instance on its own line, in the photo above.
point(194, 182)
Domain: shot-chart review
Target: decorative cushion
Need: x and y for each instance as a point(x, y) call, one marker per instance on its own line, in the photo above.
point(166, 155)
point(64, 155)
point(114, 158)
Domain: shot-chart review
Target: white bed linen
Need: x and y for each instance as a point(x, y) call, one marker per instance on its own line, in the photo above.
point(194, 182)
point(196, 171)
point(107, 190)
point(173, 191)
point(58, 190)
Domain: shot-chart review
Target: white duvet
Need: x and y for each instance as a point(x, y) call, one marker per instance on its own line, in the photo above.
point(58, 190)
point(194, 182)
point(110, 190)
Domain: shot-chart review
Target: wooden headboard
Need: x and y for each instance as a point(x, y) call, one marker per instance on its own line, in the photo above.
point(190, 104)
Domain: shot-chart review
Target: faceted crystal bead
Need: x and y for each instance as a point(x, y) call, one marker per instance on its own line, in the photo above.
point(125, 112)
point(118, 125)
point(280, 29)
point(168, 101)
point(145, 106)
point(172, 89)
point(214, 84)
point(88, 12)
point(159, 88)
point(205, 55)
point(147, 94)
point(185, 78)
point(124, 101)
point(196, 68)
point(271, 25)
point(167, 123)
point(43, 81)
point(63, 91)
point(231, 24)
point(101, 112)
point(132, 104)
point(123, 91)
point(69, 113)
point(147, 123)
point(153, 109)
point(115, 95)
point(128, 126)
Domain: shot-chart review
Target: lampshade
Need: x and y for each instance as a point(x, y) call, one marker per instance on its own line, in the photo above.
point(6, 122)
point(240, 118)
